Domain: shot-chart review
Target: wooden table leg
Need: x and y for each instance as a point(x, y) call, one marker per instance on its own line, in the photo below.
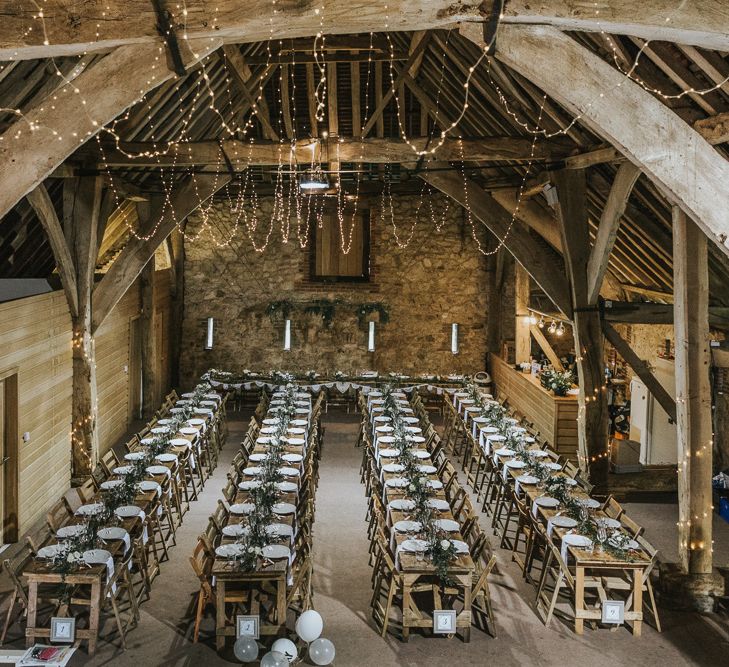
point(220, 615)
point(94, 615)
point(281, 601)
point(32, 611)
point(638, 601)
point(406, 601)
point(467, 603)
point(579, 598)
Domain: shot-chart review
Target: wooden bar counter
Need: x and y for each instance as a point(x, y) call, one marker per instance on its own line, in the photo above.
point(555, 417)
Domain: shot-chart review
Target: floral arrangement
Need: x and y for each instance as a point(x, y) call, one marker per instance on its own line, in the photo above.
point(365, 309)
point(559, 382)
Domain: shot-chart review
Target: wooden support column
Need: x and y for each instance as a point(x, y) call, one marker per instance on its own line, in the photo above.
point(82, 205)
point(593, 413)
point(693, 394)
point(495, 268)
point(176, 246)
point(150, 378)
point(522, 337)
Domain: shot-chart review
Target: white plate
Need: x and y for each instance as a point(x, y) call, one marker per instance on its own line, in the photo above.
point(160, 430)
point(134, 456)
point(249, 484)
point(413, 546)
point(448, 525)
point(166, 458)
point(296, 430)
point(461, 547)
point(435, 484)
point(188, 430)
point(397, 482)
point(393, 467)
point(148, 485)
point(407, 526)
point(276, 551)
point(51, 551)
point(242, 508)
point(389, 453)
point(229, 550)
point(438, 504)
point(538, 453)
point(590, 503)
point(293, 458)
point(73, 530)
point(122, 470)
point(279, 530)
point(286, 471)
point(547, 501)
point(410, 420)
point(402, 505)
point(414, 438)
point(235, 530)
point(515, 463)
point(269, 430)
point(552, 465)
point(112, 533)
point(563, 521)
point(164, 422)
point(505, 451)
point(252, 471)
point(420, 453)
point(270, 421)
point(527, 479)
point(257, 458)
point(284, 508)
point(127, 511)
point(158, 470)
point(297, 442)
point(180, 442)
point(96, 556)
point(286, 487)
point(110, 484)
point(196, 421)
point(579, 541)
point(147, 441)
point(90, 509)
point(298, 422)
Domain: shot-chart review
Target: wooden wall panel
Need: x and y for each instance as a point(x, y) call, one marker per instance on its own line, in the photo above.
point(554, 417)
point(35, 337)
point(35, 342)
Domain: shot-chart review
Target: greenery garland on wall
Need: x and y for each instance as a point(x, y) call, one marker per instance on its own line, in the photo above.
point(327, 308)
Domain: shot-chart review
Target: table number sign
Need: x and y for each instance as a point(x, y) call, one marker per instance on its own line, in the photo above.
point(444, 622)
point(613, 611)
point(247, 626)
point(63, 630)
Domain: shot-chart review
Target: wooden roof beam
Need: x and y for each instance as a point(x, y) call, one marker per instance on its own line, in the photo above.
point(137, 252)
point(659, 144)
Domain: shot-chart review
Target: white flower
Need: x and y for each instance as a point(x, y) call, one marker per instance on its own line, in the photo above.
point(445, 544)
point(411, 487)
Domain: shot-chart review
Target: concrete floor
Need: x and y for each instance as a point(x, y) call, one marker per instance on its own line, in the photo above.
point(342, 593)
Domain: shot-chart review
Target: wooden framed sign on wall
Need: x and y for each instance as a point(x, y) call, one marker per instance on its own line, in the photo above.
point(328, 260)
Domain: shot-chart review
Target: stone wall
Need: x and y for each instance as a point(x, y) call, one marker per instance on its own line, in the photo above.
point(438, 279)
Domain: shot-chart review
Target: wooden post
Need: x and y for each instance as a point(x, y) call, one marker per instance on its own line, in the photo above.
point(593, 413)
point(82, 206)
point(177, 255)
point(495, 268)
point(522, 337)
point(150, 383)
point(693, 393)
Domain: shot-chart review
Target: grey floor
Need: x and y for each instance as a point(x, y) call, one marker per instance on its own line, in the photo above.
point(342, 592)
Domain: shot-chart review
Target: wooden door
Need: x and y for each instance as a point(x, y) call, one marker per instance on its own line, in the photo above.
point(9, 437)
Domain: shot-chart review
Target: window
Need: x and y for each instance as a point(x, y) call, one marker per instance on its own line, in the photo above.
point(328, 261)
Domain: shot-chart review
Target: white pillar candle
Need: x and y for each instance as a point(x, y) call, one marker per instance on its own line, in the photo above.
point(209, 334)
point(287, 335)
point(454, 338)
point(371, 338)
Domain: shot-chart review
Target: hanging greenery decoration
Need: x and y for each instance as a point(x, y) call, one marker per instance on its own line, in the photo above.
point(325, 308)
point(365, 309)
point(285, 307)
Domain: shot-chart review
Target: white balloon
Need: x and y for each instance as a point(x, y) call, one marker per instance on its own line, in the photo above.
point(246, 649)
point(309, 626)
point(321, 651)
point(287, 648)
point(274, 659)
